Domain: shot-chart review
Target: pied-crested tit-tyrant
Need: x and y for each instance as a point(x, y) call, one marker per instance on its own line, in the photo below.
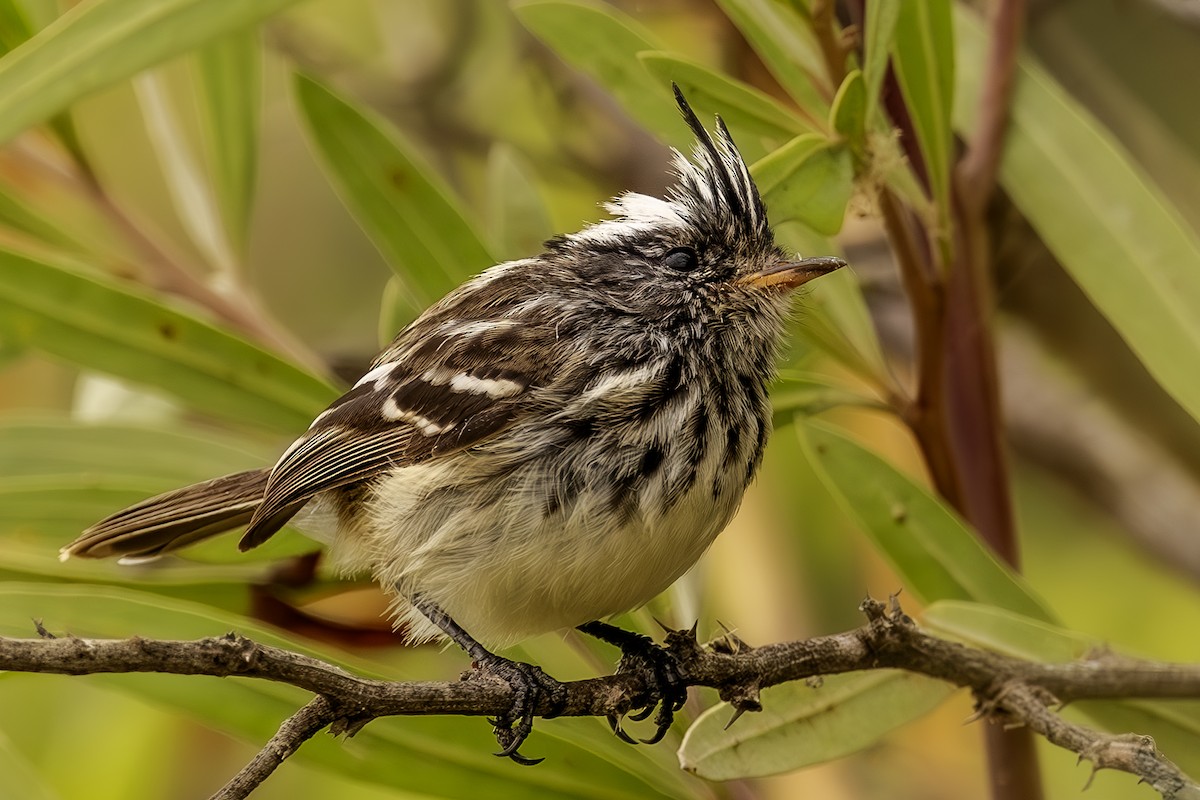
point(554, 442)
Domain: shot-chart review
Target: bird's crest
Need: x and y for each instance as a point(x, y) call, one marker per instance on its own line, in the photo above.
point(716, 182)
point(713, 192)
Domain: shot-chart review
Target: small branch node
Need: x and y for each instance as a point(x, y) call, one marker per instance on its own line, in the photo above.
point(729, 643)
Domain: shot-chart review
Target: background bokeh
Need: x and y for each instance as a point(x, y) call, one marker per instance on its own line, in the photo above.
point(1104, 462)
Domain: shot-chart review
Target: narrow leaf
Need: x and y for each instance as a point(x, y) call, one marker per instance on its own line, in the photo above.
point(809, 179)
point(880, 31)
point(401, 204)
point(934, 551)
point(518, 221)
point(800, 725)
point(840, 322)
point(924, 60)
point(849, 113)
point(195, 206)
point(100, 42)
point(744, 108)
point(97, 323)
point(229, 80)
point(783, 37)
point(60, 447)
point(1006, 631)
point(15, 27)
point(810, 393)
point(835, 317)
point(604, 43)
point(1112, 229)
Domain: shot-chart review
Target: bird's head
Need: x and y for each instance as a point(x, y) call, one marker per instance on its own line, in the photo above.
point(708, 243)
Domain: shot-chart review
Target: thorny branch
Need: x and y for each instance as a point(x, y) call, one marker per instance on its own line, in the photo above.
point(1008, 691)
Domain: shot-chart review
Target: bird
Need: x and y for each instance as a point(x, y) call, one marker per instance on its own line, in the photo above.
point(554, 442)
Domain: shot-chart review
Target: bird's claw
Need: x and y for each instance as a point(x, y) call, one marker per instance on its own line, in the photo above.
point(668, 691)
point(529, 684)
point(614, 722)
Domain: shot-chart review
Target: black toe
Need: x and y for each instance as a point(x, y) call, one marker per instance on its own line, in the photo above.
point(656, 666)
point(529, 685)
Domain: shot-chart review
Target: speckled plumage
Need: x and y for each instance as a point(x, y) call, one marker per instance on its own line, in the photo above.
point(557, 440)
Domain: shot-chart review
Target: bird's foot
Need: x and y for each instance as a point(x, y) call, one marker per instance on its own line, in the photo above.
point(529, 685)
point(657, 667)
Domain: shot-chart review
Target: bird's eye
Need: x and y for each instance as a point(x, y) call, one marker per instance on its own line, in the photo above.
point(682, 259)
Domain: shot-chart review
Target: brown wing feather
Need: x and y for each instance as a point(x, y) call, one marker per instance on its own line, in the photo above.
point(457, 376)
point(441, 394)
point(173, 520)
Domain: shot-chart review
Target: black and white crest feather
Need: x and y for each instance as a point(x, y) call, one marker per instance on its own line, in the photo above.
point(714, 198)
point(717, 185)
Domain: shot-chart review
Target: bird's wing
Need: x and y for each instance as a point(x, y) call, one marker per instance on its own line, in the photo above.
point(443, 391)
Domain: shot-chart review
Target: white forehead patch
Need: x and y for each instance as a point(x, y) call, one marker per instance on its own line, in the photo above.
point(642, 208)
point(634, 213)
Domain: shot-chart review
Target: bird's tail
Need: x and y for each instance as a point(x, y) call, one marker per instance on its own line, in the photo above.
point(173, 520)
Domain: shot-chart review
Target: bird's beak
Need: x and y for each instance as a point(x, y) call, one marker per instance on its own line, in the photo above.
point(790, 274)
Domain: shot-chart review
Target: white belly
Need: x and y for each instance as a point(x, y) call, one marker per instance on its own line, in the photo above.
point(505, 569)
point(535, 531)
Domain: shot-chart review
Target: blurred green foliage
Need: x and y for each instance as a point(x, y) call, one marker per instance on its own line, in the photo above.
point(190, 256)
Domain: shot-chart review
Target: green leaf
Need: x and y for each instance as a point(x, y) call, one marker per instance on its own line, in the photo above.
point(17, 213)
point(933, 550)
point(809, 179)
point(228, 74)
point(834, 314)
point(15, 27)
point(59, 447)
point(879, 33)
point(195, 206)
point(809, 393)
point(96, 44)
point(400, 203)
point(1004, 631)
point(744, 108)
point(800, 725)
point(448, 757)
point(97, 323)
point(604, 43)
point(517, 217)
point(849, 113)
point(39, 516)
point(923, 51)
point(1112, 229)
point(840, 323)
point(58, 477)
point(783, 37)
point(396, 309)
point(20, 778)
